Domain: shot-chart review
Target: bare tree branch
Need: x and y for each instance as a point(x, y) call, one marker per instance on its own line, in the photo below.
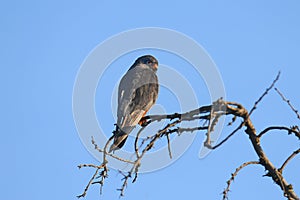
point(288, 159)
point(211, 115)
point(90, 165)
point(180, 130)
point(229, 136)
point(188, 116)
point(109, 154)
point(293, 129)
point(125, 180)
point(88, 185)
point(233, 175)
point(263, 159)
point(265, 93)
point(104, 172)
point(288, 102)
point(169, 145)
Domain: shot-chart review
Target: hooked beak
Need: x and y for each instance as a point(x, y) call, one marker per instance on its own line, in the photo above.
point(155, 66)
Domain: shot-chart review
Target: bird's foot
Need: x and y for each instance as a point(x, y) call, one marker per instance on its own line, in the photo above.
point(143, 122)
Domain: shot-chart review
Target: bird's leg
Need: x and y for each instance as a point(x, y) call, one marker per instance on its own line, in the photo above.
point(143, 122)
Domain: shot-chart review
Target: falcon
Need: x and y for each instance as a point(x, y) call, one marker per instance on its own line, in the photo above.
point(138, 91)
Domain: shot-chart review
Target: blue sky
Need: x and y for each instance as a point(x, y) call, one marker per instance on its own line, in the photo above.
point(43, 44)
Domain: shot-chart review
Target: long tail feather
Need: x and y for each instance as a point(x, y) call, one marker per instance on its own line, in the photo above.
point(120, 138)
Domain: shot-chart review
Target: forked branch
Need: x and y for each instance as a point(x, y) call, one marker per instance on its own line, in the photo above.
point(210, 114)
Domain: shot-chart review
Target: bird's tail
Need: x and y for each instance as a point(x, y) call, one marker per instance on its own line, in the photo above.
point(120, 138)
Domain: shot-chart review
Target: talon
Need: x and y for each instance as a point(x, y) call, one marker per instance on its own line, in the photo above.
point(143, 122)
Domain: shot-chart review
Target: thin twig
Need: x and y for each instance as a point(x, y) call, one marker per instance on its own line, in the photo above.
point(122, 189)
point(103, 174)
point(109, 154)
point(180, 130)
point(105, 148)
point(232, 121)
point(231, 107)
point(136, 148)
point(288, 159)
point(212, 114)
point(169, 146)
point(288, 102)
point(270, 128)
point(233, 175)
point(229, 136)
point(265, 93)
point(90, 165)
point(137, 162)
point(217, 111)
point(89, 184)
point(187, 116)
point(263, 159)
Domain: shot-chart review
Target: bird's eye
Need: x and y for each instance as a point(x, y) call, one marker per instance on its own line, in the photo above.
point(148, 62)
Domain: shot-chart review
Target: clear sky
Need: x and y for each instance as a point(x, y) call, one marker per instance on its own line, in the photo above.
point(43, 44)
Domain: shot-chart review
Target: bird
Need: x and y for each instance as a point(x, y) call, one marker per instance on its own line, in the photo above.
point(137, 93)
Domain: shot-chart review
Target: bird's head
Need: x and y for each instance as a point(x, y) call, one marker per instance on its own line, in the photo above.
point(148, 60)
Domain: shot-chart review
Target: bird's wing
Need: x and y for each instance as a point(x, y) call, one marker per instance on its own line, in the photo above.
point(138, 91)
